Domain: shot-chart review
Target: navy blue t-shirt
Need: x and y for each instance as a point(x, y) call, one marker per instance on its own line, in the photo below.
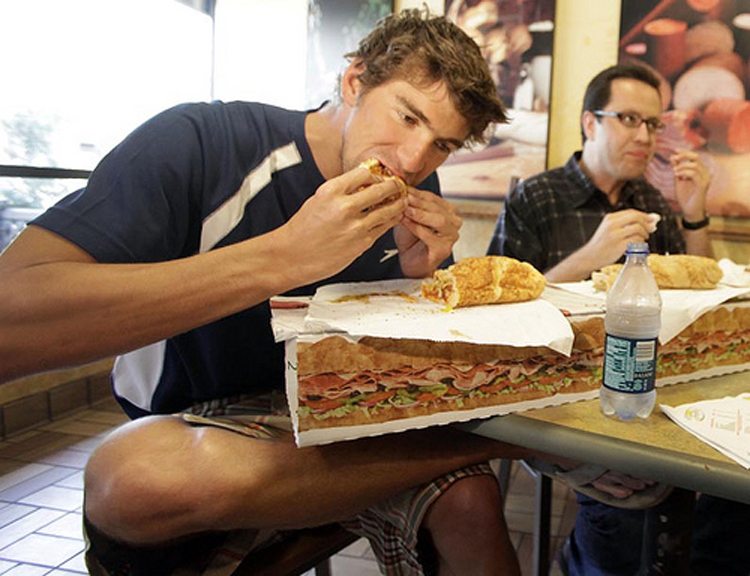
point(194, 178)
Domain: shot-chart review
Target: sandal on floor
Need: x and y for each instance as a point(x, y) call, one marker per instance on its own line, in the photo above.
point(580, 478)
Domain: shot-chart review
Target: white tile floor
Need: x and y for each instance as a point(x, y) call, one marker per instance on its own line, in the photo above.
point(41, 496)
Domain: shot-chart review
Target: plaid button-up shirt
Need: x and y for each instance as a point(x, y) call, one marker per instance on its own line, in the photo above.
point(551, 215)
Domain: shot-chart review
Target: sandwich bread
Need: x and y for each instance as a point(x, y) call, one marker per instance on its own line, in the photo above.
point(484, 280)
point(683, 271)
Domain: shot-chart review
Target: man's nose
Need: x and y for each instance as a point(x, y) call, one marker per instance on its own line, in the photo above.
point(644, 134)
point(413, 154)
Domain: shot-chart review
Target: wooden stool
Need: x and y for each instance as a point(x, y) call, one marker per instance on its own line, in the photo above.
point(301, 551)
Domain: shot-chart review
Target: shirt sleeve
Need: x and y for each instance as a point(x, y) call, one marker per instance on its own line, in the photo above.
point(668, 236)
point(138, 203)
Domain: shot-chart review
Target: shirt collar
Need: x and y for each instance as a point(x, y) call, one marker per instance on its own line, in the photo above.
point(585, 189)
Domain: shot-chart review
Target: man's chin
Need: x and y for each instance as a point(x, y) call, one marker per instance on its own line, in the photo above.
point(633, 170)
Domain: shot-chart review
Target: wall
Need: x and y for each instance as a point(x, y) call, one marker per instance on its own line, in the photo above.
point(259, 51)
point(586, 36)
point(258, 57)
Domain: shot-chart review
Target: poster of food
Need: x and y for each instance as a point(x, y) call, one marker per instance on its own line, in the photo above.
point(699, 49)
point(515, 37)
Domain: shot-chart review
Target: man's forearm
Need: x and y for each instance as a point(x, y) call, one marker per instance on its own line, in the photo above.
point(574, 268)
point(71, 309)
point(698, 243)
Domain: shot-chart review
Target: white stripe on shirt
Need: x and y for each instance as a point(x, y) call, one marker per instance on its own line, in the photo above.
point(222, 220)
point(137, 373)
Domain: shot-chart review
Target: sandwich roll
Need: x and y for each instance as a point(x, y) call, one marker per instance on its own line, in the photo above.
point(373, 380)
point(381, 173)
point(484, 280)
point(683, 271)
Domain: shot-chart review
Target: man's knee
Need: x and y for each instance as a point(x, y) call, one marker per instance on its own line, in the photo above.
point(130, 484)
point(474, 499)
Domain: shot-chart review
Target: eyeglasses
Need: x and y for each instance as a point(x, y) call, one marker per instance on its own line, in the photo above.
point(633, 120)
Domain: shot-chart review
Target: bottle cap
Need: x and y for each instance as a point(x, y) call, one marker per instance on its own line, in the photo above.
point(637, 248)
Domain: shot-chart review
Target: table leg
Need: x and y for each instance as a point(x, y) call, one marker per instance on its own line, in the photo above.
point(667, 532)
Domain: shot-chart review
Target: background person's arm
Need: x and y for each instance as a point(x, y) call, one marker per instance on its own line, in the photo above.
point(606, 246)
point(692, 180)
point(697, 242)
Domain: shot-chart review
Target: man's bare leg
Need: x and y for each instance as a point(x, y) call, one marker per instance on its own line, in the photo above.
point(159, 478)
point(468, 530)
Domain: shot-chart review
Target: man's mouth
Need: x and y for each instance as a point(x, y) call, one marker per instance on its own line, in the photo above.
point(638, 154)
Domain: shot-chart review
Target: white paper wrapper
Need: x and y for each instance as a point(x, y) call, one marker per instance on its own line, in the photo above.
point(736, 275)
point(395, 309)
point(680, 308)
point(721, 424)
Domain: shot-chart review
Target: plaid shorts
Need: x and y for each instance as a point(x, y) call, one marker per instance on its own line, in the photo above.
point(392, 526)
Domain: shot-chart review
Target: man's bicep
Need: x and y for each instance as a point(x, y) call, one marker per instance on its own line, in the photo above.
point(36, 245)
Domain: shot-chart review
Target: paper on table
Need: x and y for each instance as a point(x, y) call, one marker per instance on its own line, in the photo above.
point(395, 309)
point(680, 308)
point(734, 274)
point(575, 300)
point(723, 424)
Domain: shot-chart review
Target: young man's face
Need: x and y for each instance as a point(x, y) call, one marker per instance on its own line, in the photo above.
point(623, 152)
point(410, 129)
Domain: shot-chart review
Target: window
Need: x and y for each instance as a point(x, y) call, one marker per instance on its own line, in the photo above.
point(80, 74)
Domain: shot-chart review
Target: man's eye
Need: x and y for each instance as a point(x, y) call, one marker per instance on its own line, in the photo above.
point(407, 119)
point(655, 125)
point(631, 120)
point(444, 147)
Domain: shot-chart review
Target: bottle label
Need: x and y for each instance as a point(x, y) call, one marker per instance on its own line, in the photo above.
point(629, 364)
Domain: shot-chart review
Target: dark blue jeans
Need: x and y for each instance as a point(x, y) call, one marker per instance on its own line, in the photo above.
point(606, 541)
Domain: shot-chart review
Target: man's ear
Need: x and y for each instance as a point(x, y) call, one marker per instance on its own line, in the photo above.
point(588, 122)
point(351, 87)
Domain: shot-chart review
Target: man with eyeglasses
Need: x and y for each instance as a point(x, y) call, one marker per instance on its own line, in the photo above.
point(578, 218)
point(575, 219)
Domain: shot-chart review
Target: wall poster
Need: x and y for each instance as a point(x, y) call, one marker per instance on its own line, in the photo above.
point(516, 40)
point(699, 49)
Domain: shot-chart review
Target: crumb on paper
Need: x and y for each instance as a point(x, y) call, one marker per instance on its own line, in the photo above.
point(366, 297)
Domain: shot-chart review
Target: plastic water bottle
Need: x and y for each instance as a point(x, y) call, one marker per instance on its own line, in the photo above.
point(631, 323)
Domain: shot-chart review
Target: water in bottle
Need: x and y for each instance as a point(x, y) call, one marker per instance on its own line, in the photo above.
point(632, 323)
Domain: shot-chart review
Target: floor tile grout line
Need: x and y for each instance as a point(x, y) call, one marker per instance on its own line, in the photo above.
point(35, 530)
point(522, 536)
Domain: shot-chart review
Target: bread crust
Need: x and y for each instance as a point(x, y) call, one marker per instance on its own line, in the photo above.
point(338, 354)
point(484, 280)
point(675, 271)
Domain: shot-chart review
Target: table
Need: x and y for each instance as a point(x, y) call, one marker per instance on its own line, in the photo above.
point(656, 448)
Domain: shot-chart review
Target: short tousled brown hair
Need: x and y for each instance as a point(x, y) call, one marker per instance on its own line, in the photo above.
point(419, 47)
